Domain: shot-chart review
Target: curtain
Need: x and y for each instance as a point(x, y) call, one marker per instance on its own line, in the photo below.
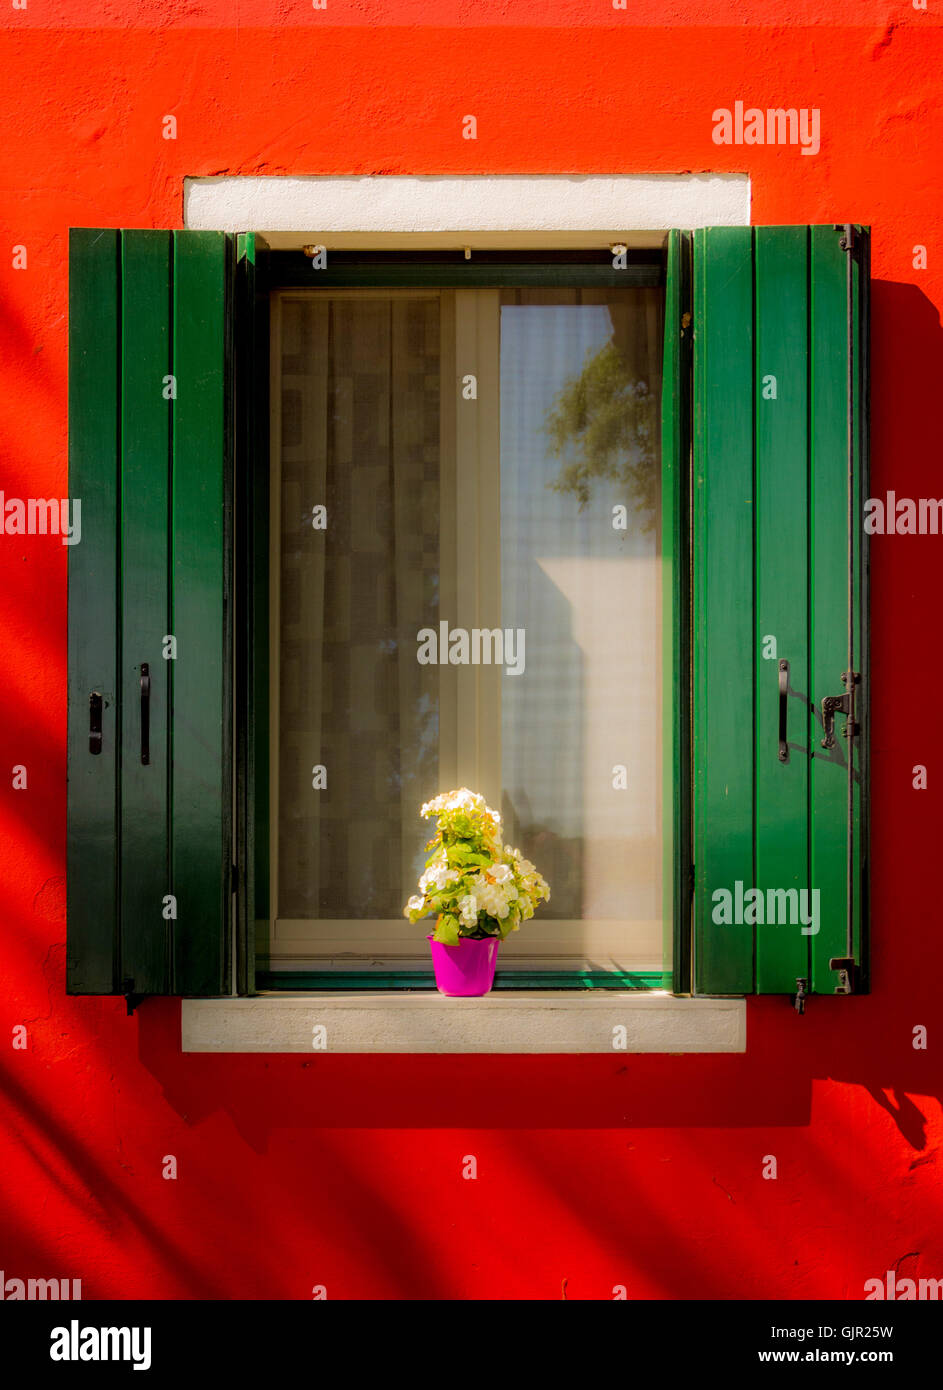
point(360, 385)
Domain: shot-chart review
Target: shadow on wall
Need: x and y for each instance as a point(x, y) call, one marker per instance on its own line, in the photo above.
point(91, 1187)
point(841, 1040)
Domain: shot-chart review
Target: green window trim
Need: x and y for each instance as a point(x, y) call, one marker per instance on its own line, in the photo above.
point(357, 980)
point(283, 270)
point(676, 582)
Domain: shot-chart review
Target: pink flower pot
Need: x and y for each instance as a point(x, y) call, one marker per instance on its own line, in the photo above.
point(465, 969)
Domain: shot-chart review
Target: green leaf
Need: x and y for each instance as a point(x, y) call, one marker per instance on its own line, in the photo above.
point(463, 855)
point(447, 930)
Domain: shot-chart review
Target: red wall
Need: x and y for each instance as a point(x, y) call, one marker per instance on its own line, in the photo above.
point(346, 1171)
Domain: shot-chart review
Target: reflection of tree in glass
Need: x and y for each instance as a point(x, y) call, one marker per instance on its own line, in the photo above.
point(609, 421)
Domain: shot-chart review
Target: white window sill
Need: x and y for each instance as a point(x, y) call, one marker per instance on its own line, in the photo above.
point(504, 1021)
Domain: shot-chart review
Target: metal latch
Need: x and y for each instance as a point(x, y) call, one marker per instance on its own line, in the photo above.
point(840, 704)
point(845, 965)
point(95, 722)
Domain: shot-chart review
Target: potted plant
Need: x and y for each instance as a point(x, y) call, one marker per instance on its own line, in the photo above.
point(478, 888)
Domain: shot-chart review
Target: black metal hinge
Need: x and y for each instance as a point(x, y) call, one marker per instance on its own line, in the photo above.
point(847, 239)
point(840, 704)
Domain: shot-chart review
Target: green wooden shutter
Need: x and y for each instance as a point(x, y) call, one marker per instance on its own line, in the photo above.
point(779, 377)
point(149, 841)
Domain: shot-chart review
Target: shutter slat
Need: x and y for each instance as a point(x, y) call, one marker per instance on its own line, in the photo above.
point(829, 637)
point(200, 845)
point(92, 856)
point(782, 588)
point(145, 498)
point(723, 599)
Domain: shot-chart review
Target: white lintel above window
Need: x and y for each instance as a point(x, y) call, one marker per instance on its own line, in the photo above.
point(488, 212)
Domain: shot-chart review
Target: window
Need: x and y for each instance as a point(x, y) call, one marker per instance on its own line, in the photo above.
point(741, 625)
point(488, 462)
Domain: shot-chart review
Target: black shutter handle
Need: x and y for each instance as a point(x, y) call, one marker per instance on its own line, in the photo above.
point(95, 722)
point(145, 713)
point(783, 710)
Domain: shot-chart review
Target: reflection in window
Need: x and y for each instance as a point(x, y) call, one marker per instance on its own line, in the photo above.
point(580, 476)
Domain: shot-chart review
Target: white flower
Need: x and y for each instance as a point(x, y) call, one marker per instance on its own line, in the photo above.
point(439, 875)
point(468, 909)
point(464, 800)
point(492, 897)
point(414, 905)
point(500, 872)
point(461, 800)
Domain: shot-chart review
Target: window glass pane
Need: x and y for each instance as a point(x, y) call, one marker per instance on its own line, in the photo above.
point(531, 502)
point(359, 435)
point(580, 382)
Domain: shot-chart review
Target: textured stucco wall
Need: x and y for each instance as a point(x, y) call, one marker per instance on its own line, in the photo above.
point(346, 1171)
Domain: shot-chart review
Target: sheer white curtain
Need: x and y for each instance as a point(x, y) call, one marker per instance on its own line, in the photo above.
point(359, 435)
